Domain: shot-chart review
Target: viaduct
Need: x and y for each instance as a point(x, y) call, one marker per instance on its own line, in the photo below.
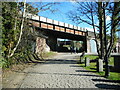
point(50, 30)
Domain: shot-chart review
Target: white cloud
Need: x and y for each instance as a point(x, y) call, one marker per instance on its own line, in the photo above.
point(73, 1)
point(108, 18)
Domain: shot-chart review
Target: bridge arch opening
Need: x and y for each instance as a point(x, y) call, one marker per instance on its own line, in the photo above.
point(93, 46)
point(67, 45)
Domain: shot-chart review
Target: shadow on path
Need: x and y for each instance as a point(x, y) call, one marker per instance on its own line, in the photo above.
point(60, 61)
point(107, 86)
point(53, 61)
point(61, 74)
point(75, 66)
point(84, 71)
point(103, 80)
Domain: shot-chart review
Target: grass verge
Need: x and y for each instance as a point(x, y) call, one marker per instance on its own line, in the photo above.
point(92, 67)
point(49, 54)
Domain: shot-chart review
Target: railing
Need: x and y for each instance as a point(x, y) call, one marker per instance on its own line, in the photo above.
point(46, 23)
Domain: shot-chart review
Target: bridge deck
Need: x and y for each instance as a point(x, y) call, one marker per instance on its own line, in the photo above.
point(50, 24)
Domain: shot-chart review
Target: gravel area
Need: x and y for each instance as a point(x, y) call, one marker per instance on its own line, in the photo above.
point(62, 71)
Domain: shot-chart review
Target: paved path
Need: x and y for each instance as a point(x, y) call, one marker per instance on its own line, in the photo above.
point(63, 72)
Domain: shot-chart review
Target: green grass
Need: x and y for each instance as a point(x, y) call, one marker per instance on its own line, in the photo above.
point(111, 61)
point(92, 67)
point(48, 54)
point(91, 57)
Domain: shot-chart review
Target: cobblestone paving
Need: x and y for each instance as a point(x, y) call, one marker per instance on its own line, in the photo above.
point(63, 72)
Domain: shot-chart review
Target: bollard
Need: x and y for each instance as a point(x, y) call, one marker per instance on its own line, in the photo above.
point(81, 57)
point(81, 60)
point(87, 61)
point(99, 65)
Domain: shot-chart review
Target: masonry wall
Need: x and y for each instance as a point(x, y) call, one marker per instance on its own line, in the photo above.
point(41, 45)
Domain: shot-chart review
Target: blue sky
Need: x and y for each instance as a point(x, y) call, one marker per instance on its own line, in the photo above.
point(61, 14)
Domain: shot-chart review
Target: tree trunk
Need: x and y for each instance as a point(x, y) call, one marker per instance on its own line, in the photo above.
point(21, 30)
point(105, 43)
point(100, 15)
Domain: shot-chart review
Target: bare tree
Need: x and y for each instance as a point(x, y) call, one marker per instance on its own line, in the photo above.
point(33, 8)
point(114, 23)
point(97, 12)
point(21, 29)
point(87, 12)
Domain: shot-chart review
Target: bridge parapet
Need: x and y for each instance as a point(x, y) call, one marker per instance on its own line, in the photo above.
point(46, 23)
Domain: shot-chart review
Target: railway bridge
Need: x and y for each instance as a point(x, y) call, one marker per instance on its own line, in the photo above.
point(52, 29)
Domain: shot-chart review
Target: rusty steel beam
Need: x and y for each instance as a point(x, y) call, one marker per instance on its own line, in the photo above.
point(45, 25)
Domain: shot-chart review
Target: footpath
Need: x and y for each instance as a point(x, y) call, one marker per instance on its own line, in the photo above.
point(61, 71)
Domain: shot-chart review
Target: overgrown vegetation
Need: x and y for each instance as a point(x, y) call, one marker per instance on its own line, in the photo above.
point(48, 54)
point(15, 45)
point(17, 35)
